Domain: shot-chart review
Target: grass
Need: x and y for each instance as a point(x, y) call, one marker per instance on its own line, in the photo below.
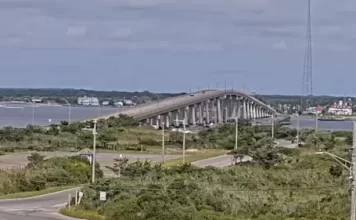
point(21, 195)
point(196, 157)
point(80, 213)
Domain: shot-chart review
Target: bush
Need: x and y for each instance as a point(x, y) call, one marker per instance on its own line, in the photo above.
point(148, 142)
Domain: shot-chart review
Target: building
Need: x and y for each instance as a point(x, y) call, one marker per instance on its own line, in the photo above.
point(36, 100)
point(340, 108)
point(128, 102)
point(87, 101)
point(105, 103)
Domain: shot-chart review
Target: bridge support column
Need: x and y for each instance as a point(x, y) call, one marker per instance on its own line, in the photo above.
point(185, 115)
point(234, 108)
point(158, 124)
point(151, 121)
point(248, 113)
point(168, 119)
point(207, 111)
point(244, 104)
point(253, 110)
point(219, 115)
point(176, 114)
point(200, 113)
point(193, 114)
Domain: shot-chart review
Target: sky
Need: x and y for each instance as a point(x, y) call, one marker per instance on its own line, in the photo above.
point(177, 45)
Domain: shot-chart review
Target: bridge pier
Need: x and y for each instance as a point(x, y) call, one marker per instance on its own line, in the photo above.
point(201, 118)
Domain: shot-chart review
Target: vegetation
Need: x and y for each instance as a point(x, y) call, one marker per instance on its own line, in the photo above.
point(302, 188)
point(42, 173)
point(7, 94)
point(279, 184)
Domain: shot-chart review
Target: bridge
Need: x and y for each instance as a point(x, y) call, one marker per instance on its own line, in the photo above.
point(200, 108)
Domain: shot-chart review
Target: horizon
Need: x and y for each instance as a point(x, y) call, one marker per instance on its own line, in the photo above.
point(138, 91)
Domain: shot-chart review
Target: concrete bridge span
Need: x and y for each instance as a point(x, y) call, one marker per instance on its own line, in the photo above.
point(204, 107)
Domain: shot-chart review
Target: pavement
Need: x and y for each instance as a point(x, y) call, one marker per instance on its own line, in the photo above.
point(36, 208)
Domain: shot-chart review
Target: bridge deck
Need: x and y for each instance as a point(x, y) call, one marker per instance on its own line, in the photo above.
point(170, 104)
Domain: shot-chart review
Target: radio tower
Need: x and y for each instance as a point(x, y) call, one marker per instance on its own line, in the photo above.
point(307, 89)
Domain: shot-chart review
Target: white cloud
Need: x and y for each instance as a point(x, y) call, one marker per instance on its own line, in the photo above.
point(76, 31)
point(280, 45)
point(178, 22)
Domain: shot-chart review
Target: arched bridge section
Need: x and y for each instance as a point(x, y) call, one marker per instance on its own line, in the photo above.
point(204, 107)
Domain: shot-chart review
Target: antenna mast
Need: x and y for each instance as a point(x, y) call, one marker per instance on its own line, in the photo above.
point(307, 89)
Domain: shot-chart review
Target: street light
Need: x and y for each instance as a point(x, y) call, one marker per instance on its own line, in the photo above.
point(183, 138)
point(350, 166)
point(298, 127)
point(69, 110)
point(316, 121)
point(94, 152)
point(163, 125)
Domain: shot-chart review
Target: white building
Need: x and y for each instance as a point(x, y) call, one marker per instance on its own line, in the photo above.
point(340, 109)
point(88, 101)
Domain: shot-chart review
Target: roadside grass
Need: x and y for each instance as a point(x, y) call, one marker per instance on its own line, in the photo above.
point(80, 213)
point(22, 195)
point(190, 158)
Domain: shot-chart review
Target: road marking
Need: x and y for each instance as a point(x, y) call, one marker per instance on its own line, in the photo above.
point(59, 205)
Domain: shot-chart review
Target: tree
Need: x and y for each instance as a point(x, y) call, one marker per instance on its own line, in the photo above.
point(35, 160)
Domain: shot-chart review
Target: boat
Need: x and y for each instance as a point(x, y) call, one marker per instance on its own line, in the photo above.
point(332, 119)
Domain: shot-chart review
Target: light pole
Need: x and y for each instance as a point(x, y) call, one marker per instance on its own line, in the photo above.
point(298, 128)
point(69, 110)
point(163, 125)
point(316, 121)
point(183, 121)
point(351, 169)
point(94, 153)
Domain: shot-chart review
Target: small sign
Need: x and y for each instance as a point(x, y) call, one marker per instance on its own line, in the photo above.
point(102, 196)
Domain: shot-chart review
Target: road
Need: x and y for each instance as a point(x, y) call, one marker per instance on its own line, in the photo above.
point(170, 104)
point(35, 208)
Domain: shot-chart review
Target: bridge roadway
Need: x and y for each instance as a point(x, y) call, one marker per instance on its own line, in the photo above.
point(148, 110)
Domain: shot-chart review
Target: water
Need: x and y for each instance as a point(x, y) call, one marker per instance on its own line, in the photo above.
point(309, 122)
point(21, 115)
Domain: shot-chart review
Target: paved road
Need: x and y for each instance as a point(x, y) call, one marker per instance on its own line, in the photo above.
point(170, 104)
point(220, 161)
point(35, 208)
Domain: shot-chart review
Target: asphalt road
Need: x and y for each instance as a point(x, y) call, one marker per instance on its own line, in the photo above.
point(35, 208)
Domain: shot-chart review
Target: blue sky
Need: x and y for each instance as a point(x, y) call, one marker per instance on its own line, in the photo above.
point(176, 45)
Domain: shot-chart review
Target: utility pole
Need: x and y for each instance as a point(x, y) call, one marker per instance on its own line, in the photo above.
point(353, 175)
point(94, 153)
point(163, 125)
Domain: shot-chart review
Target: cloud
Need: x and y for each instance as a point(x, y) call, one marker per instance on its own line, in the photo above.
point(172, 23)
point(76, 31)
point(280, 45)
